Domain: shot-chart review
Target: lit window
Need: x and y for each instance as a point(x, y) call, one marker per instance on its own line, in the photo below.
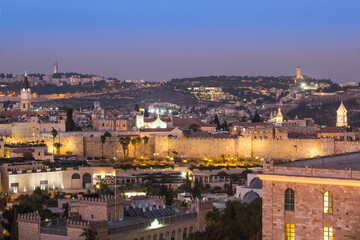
point(328, 233)
point(289, 199)
point(289, 231)
point(328, 202)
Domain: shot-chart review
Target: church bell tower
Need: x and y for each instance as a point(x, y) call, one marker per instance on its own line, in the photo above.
point(341, 118)
point(25, 95)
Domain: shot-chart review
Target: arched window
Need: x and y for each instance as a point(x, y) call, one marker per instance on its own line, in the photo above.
point(191, 230)
point(161, 236)
point(155, 237)
point(172, 235)
point(87, 181)
point(289, 200)
point(184, 233)
point(75, 176)
point(179, 234)
point(328, 202)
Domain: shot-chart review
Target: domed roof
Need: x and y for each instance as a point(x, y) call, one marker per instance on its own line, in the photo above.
point(256, 183)
point(250, 196)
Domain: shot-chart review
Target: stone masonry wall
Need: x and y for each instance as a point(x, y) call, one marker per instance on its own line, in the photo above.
point(163, 146)
point(72, 144)
point(308, 216)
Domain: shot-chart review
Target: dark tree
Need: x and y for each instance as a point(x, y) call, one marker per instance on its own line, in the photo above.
point(70, 124)
point(256, 118)
point(137, 108)
point(217, 122)
point(107, 134)
point(168, 193)
point(194, 128)
point(89, 233)
point(146, 113)
point(125, 141)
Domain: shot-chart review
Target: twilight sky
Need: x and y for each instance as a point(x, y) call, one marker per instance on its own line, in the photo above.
point(163, 39)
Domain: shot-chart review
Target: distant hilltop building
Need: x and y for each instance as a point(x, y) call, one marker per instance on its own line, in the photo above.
point(341, 119)
point(25, 95)
point(298, 75)
point(56, 67)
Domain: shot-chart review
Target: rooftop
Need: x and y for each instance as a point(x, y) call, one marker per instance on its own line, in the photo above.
point(342, 161)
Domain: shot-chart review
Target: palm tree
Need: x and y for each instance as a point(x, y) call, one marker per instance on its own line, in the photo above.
point(57, 146)
point(54, 133)
point(145, 141)
point(125, 141)
point(135, 141)
point(103, 140)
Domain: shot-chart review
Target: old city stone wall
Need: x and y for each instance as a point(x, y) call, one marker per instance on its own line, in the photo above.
point(346, 146)
point(292, 148)
point(163, 146)
point(73, 144)
point(205, 147)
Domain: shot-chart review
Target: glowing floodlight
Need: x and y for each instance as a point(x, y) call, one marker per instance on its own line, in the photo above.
point(155, 224)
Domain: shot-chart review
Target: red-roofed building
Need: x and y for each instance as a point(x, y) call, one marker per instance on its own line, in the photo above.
point(339, 133)
point(259, 130)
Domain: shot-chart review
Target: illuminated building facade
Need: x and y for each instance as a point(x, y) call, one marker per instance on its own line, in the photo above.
point(341, 118)
point(312, 199)
point(137, 218)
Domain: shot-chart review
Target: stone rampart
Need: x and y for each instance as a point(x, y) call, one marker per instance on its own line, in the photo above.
point(195, 148)
point(73, 144)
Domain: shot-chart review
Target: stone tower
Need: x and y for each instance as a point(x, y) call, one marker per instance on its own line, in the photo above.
point(298, 74)
point(25, 95)
point(140, 121)
point(56, 67)
point(341, 118)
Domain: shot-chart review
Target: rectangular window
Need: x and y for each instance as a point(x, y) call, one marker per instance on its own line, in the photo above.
point(109, 217)
point(328, 233)
point(44, 185)
point(328, 202)
point(14, 188)
point(289, 231)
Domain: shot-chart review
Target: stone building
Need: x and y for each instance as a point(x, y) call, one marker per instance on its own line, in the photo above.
point(341, 118)
point(25, 103)
point(24, 177)
point(251, 190)
point(312, 199)
point(116, 218)
point(258, 130)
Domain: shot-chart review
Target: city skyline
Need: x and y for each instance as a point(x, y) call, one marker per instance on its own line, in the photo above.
point(160, 40)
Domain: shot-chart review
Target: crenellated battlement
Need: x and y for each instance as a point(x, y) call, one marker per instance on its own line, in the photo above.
point(83, 224)
point(147, 200)
point(102, 200)
point(29, 217)
point(200, 204)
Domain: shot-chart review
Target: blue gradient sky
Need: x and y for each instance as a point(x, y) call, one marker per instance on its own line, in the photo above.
point(164, 39)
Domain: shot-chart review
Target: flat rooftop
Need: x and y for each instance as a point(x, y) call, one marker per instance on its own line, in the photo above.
point(342, 161)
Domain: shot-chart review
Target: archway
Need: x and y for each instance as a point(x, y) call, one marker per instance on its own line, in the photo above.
point(87, 181)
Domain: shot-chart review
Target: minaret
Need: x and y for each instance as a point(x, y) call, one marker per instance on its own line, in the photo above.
point(341, 118)
point(56, 67)
point(25, 95)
